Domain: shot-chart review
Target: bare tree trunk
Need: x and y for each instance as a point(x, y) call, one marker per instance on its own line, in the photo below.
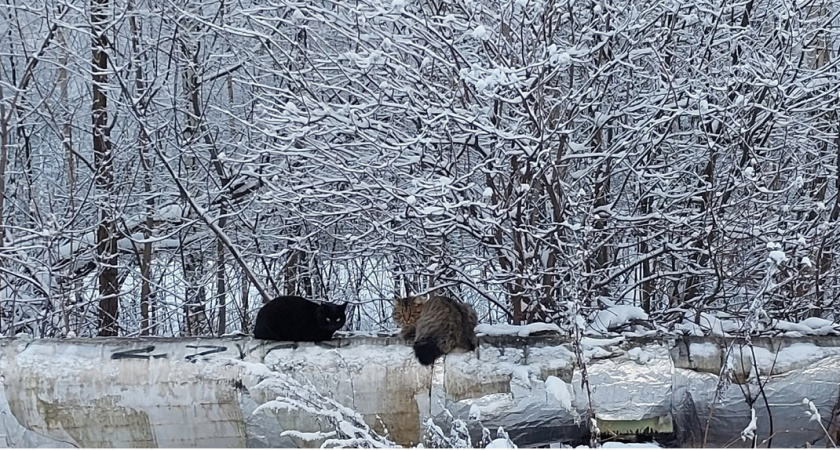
point(290, 273)
point(602, 253)
point(245, 319)
point(67, 142)
point(146, 162)
point(820, 56)
point(221, 263)
point(193, 260)
point(221, 286)
point(146, 269)
point(647, 264)
point(103, 160)
point(4, 162)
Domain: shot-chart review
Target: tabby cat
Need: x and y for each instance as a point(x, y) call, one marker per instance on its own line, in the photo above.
point(406, 312)
point(442, 326)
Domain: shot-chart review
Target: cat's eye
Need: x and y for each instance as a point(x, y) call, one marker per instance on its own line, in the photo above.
point(329, 320)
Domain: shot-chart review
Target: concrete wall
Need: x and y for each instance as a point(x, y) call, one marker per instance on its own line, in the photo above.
point(156, 392)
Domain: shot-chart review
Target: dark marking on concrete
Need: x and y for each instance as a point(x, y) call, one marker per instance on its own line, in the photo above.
point(138, 353)
point(211, 350)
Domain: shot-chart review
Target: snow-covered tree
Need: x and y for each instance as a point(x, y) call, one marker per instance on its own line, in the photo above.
point(538, 159)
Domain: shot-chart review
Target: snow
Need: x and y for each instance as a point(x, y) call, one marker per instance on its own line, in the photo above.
point(597, 353)
point(595, 348)
point(613, 444)
point(688, 328)
point(60, 363)
point(353, 357)
point(350, 429)
point(709, 325)
point(500, 329)
point(615, 317)
point(749, 430)
point(813, 411)
point(553, 357)
point(432, 210)
point(480, 32)
point(630, 445)
point(475, 412)
point(502, 439)
point(490, 404)
point(796, 356)
point(521, 376)
point(500, 443)
point(503, 329)
point(703, 350)
point(639, 355)
point(815, 323)
point(538, 327)
point(314, 436)
point(558, 389)
point(588, 342)
point(777, 256)
point(784, 325)
point(812, 326)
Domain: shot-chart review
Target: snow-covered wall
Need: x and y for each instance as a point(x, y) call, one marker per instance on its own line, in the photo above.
point(154, 392)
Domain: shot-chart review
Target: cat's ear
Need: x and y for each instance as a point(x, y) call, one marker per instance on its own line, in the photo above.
point(343, 306)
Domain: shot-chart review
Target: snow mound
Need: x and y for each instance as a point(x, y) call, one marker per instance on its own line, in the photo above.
point(503, 329)
point(500, 443)
point(596, 348)
point(590, 343)
point(812, 326)
point(558, 389)
point(639, 355)
point(624, 445)
point(615, 317)
point(796, 356)
point(630, 445)
point(709, 324)
point(502, 440)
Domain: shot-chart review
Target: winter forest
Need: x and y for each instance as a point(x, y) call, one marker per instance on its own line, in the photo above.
point(166, 166)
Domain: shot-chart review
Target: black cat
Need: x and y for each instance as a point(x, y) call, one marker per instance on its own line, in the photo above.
point(293, 318)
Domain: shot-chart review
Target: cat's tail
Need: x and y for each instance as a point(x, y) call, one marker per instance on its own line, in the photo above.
point(427, 350)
